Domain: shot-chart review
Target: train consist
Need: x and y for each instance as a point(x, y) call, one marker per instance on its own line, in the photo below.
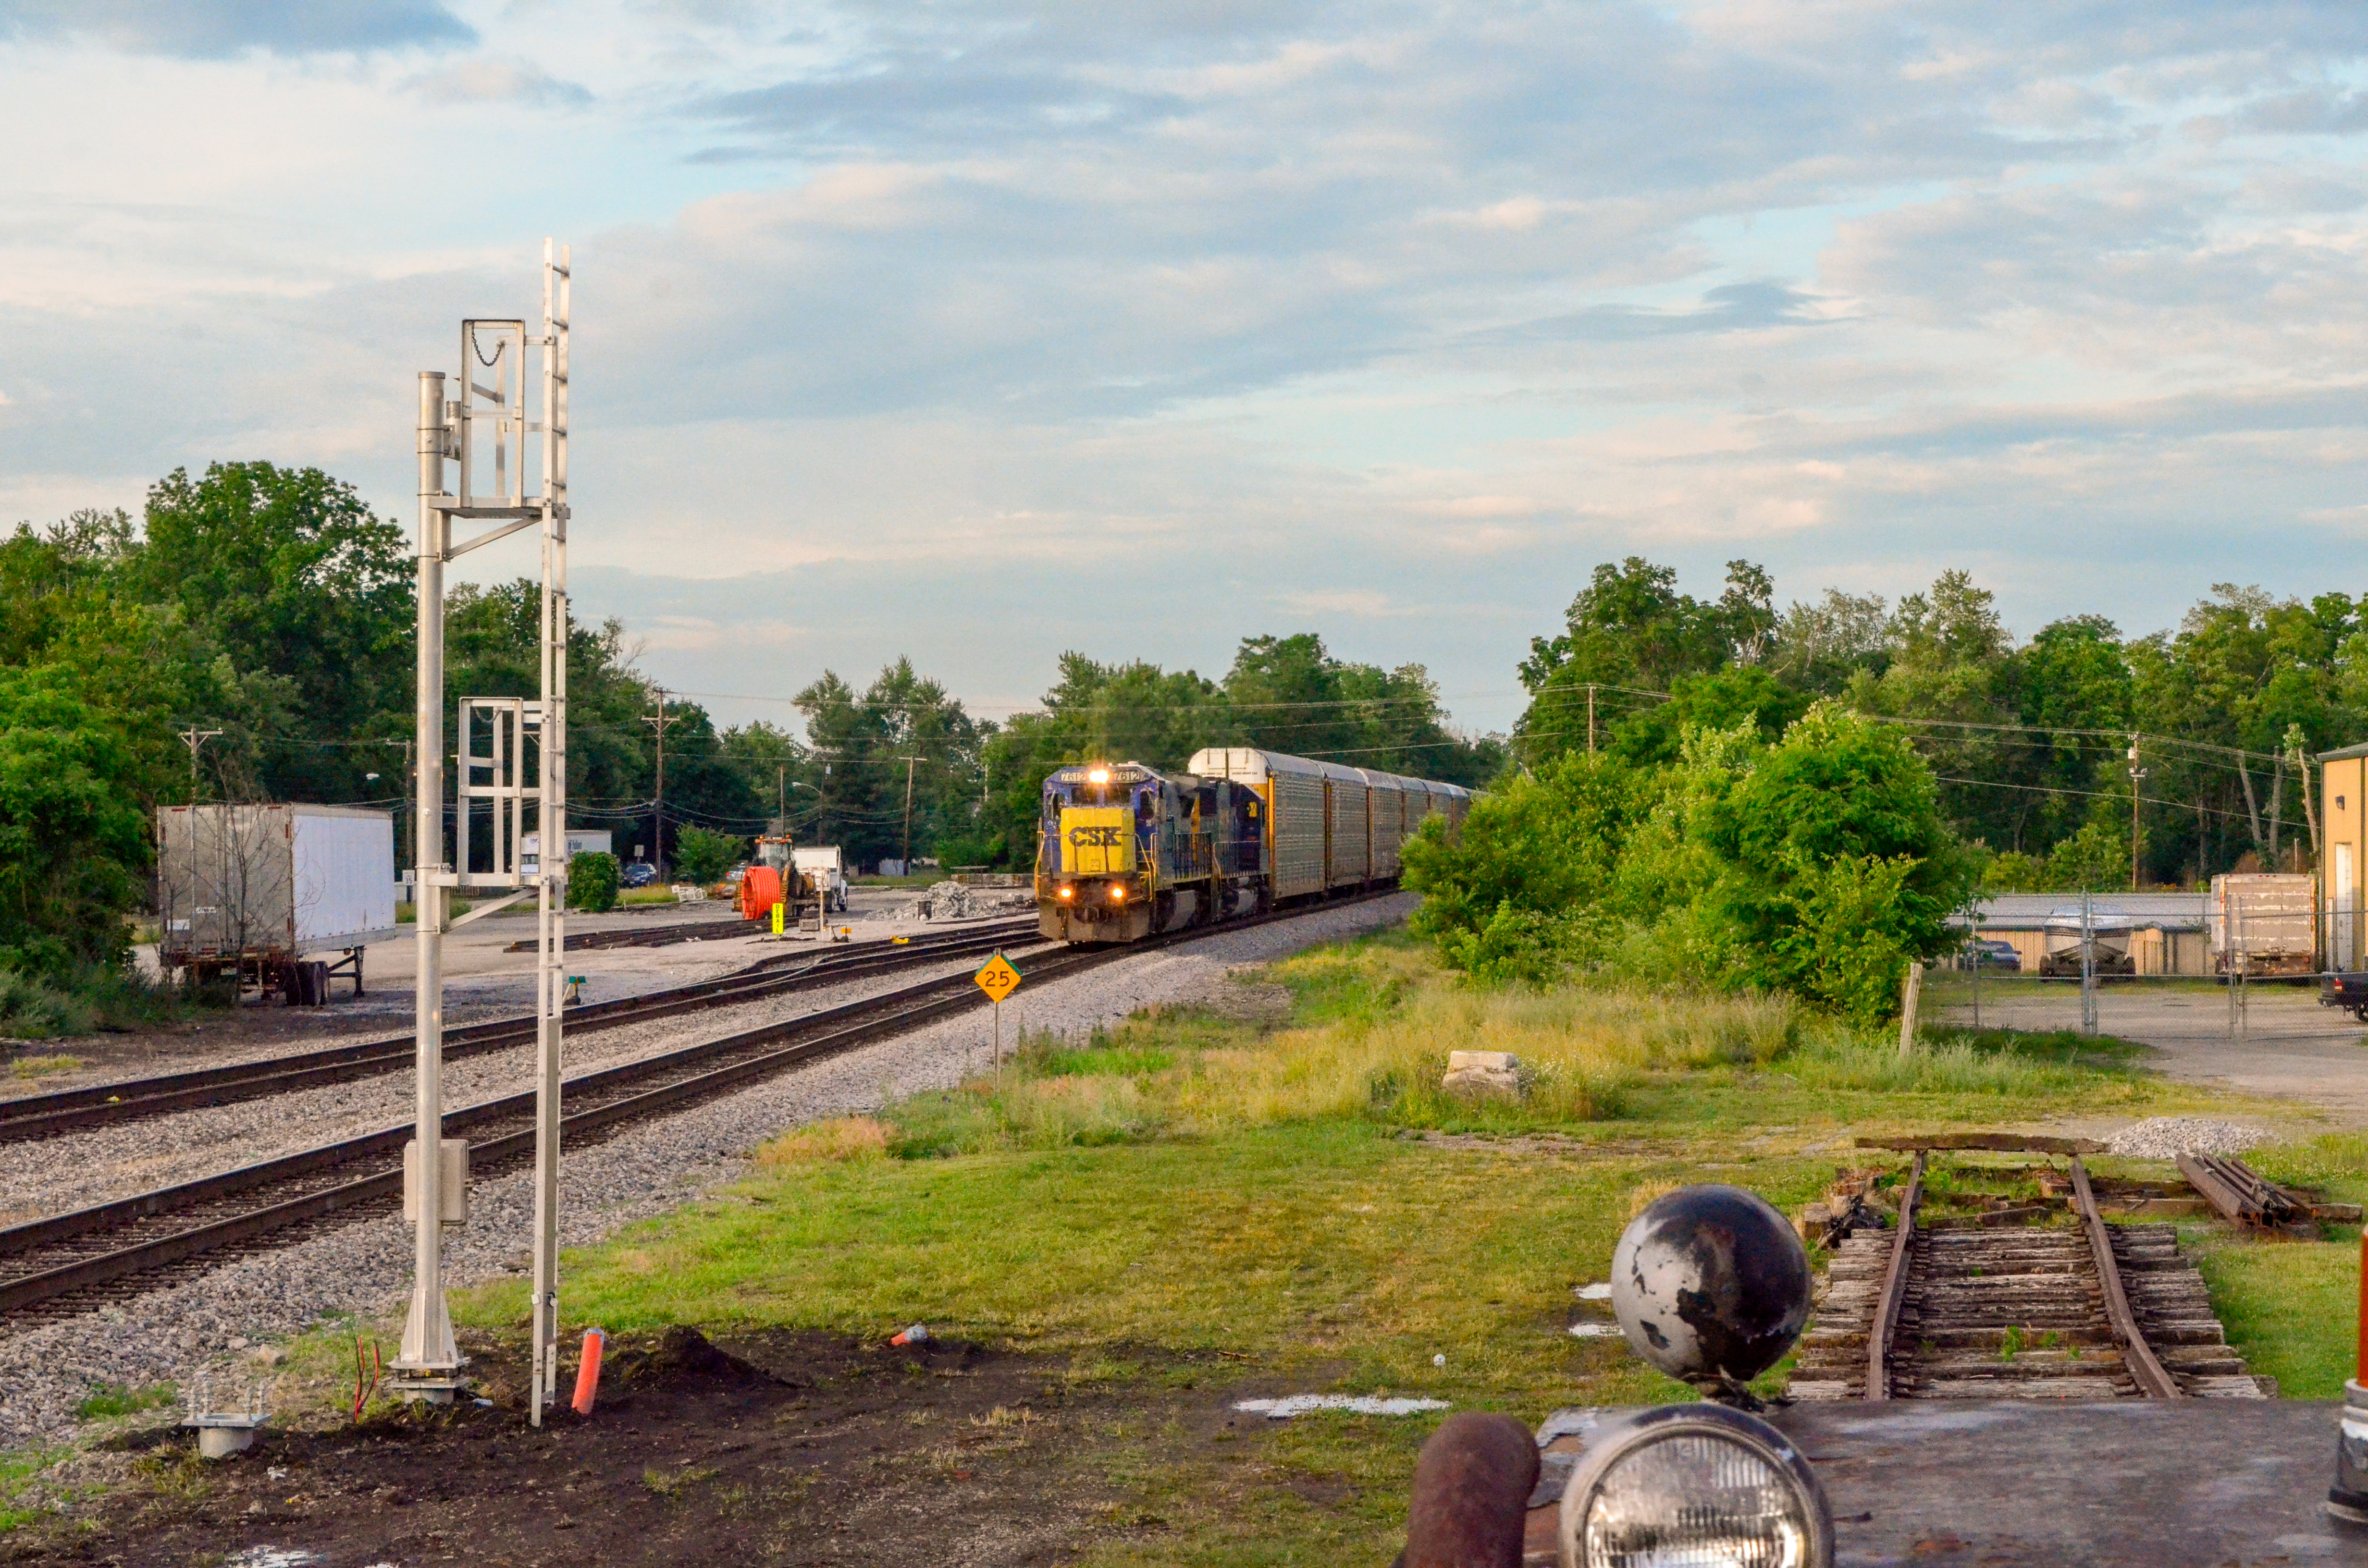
point(1125, 850)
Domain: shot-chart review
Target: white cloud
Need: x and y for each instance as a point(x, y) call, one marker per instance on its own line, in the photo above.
point(994, 313)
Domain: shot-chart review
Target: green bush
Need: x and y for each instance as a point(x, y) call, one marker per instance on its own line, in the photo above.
point(1816, 865)
point(702, 857)
point(592, 883)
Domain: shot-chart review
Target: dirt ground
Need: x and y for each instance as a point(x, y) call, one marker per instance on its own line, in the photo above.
point(777, 1448)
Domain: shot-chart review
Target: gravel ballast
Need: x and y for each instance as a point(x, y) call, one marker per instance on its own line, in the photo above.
point(2167, 1136)
point(646, 1170)
point(57, 1175)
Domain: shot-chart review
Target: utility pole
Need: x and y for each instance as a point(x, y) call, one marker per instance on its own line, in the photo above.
point(193, 738)
point(908, 812)
point(2137, 777)
point(406, 819)
point(1590, 716)
point(657, 804)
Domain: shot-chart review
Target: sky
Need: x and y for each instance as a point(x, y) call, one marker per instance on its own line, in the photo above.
point(981, 332)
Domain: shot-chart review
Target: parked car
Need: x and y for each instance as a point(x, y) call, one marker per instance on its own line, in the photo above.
point(640, 874)
point(1992, 952)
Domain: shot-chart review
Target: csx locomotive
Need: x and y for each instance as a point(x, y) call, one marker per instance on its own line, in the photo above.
point(1125, 850)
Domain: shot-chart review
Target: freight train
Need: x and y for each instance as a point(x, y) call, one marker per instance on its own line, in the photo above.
point(1125, 850)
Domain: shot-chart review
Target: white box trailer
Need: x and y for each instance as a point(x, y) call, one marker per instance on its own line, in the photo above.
point(253, 890)
point(2270, 918)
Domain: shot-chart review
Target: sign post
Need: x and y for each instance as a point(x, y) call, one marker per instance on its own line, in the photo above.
point(998, 980)
point(777, 918)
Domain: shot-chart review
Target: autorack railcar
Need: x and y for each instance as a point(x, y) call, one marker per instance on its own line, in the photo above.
point(1125, 850)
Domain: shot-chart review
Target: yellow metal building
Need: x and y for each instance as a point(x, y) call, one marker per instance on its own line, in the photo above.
point(2344, 834)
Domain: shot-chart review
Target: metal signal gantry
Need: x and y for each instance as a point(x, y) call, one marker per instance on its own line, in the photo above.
point(521, 773)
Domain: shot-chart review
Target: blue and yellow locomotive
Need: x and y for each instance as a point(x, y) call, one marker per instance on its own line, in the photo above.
point(1125, 850)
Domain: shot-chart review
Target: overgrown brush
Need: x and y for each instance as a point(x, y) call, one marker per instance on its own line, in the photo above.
point(91, 996)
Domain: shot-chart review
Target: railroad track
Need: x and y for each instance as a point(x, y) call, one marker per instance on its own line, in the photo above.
point(133, 1100)
point(67, 1263)
point(653, 936)
point(1955, 1308)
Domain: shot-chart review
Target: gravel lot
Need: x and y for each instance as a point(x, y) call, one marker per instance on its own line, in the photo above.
point(646, 1170)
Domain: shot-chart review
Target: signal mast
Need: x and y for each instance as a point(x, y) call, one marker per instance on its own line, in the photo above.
point(510, 766)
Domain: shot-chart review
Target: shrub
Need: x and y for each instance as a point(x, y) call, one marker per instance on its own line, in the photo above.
point(702, 857)
point(592, 883)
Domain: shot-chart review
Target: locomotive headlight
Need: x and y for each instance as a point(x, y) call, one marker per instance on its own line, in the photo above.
point(1118, 895)
point(1097, 776)
point(1695, 1483)
point(1067, 893)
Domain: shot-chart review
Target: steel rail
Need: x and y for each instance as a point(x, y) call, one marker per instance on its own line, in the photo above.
point(2144, 1368)
point(1894, 1287)
point(847, 1024)
point(43, 1115)
point(652, 936)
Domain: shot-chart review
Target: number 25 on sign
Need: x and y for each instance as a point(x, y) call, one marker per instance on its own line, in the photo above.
point(998, 980)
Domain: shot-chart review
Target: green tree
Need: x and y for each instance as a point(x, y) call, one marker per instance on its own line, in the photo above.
point(286, 574)
point(1628, 637)
point(903, 737)
point(702, 857)
point(1289, 694)
point(1838, 861)
point(73, 846)
point(1522, 889)
point(1739, 694)
point(1949, 675)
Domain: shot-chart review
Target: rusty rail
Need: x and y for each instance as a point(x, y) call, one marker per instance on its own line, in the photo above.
point(2137, 1357)
point(2241, 1195)
point(1894, 1287)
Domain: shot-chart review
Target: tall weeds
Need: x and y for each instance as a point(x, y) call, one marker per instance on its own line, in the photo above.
point(1377, 1022)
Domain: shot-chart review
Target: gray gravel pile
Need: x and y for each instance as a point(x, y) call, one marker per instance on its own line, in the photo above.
point(642, 1171)
point(2167, 1136)
point(960, 900)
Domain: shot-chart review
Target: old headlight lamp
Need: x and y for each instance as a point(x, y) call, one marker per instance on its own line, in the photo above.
point(1694, 1483)
point(1097, 776)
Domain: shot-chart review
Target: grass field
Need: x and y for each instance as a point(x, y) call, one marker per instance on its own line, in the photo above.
point(1301, 1199)
point(1277, 1197)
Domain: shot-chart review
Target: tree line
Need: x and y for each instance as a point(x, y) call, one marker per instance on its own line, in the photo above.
point(251, 637)
point(2029, 742)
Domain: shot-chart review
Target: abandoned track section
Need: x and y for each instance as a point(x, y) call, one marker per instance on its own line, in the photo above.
point(68, 1111)
point(1963, 1310)
point(68, 1263)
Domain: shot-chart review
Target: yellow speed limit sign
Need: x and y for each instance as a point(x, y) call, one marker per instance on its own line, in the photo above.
point(997, 979)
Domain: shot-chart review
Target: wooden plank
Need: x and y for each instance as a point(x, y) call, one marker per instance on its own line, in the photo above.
point(2137, 1357)
point(1894, 1287)
point(2003, 1143)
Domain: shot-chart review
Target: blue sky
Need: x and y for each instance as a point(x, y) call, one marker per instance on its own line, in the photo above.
point(978, 332)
